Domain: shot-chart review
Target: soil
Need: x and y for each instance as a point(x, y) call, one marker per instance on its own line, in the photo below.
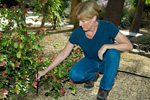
point(126, 87)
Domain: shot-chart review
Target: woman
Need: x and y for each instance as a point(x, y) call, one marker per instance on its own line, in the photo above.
point(101, 54)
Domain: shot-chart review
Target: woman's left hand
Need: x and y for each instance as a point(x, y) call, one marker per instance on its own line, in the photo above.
point(101, 51)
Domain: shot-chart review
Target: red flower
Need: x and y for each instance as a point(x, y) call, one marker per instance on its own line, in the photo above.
point(26, 10)
point(59, 81)
point(76, 60)
point(3, 63)
point(39, 57)
point(1, 34)
point(77, 50)
point(17, 6)
point(2, 96)
point(17, 64)
point(17, 91)
point(71, 82)
point(3, 93)
point(3, 74)
point(26, 76)
point(54, 78)
point(80, 57)
point(34, 84)
point(62, 91)
point(13, 8)
point(1, 4)
point(42, 30)
point(40, 60)
point(53, 57)
point(30, 3)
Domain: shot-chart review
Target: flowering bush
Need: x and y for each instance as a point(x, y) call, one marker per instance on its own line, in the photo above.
point(19, 58)
point(18, 52)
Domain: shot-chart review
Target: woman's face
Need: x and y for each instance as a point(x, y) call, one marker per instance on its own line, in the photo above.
point(87, 24)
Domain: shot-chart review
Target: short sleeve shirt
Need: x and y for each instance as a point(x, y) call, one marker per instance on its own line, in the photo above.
point(106, 31)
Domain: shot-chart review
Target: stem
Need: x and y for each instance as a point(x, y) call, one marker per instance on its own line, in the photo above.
point(37, 83)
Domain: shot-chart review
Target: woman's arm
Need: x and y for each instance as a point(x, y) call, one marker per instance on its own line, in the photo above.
point(123, 45)
point(60, 57)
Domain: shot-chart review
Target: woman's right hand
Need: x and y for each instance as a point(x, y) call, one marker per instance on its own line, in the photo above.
point(40, 74)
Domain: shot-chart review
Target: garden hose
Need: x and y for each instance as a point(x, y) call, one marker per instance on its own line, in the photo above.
point(133, 74)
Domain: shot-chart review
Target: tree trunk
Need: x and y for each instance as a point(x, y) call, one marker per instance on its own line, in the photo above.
point(42, 25)
point(73, 20)
point(113, 11)
point(23, 7)
point(135, 26)
point(55, 22)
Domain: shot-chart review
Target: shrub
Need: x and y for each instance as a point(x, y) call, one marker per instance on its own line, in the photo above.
point(19, 59)
point(18, 52)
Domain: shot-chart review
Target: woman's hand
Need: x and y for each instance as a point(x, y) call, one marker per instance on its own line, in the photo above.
point(101, 51)
point(40, 74)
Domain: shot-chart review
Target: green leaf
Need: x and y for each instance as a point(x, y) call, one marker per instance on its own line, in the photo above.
point(7, 71)
point(4, 43)
point(16, 45)
point(19, 54)
point(1, 85)
point(17, 87)
point(23, 23)
point(21, 45)
point(60, 73)
point(35, 47)
point(22, 37)
point(73, 91)
point(30, 60)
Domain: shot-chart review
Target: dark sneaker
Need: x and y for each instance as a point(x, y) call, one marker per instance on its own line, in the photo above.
point(102, 94)
point(90, 83)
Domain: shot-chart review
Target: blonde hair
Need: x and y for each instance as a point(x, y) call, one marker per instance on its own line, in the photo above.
point(86, 10)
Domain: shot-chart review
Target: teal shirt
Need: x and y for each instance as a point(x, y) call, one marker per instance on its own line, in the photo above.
point(105, 33)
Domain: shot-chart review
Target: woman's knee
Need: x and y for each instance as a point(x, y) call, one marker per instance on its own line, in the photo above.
point(112, 54)
point(75, 76)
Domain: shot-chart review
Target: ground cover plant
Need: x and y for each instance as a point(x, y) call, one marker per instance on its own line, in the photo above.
point(21, 55)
